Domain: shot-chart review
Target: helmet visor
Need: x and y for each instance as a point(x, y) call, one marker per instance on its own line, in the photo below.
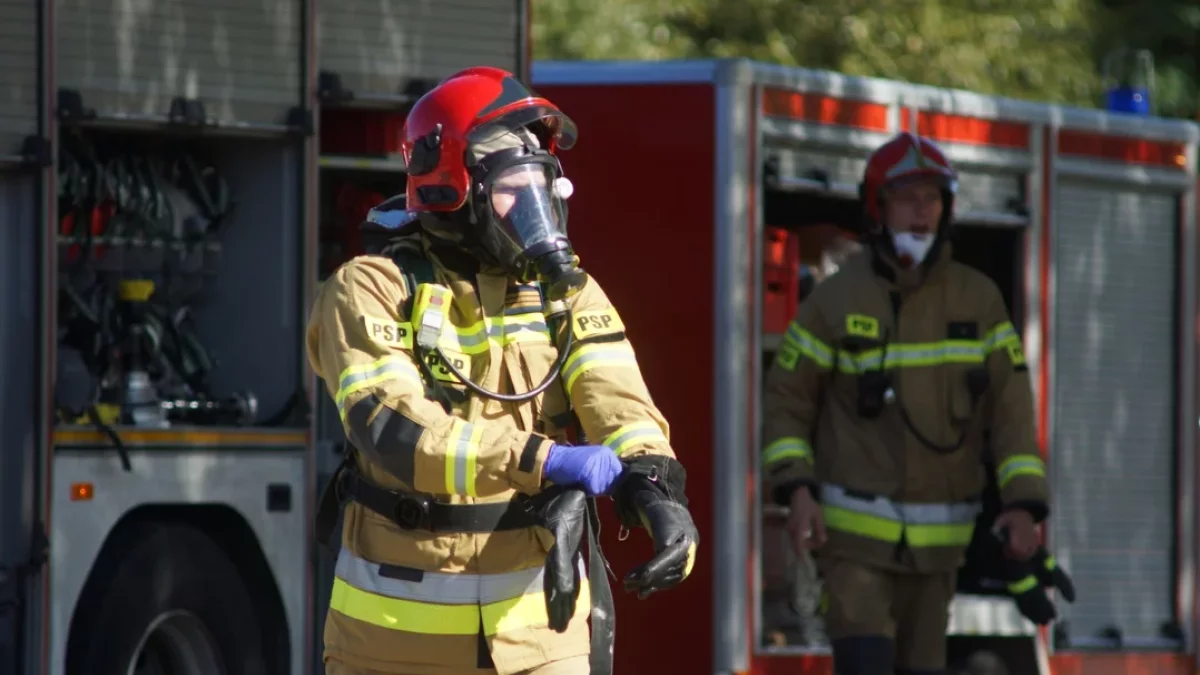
point(546, 121)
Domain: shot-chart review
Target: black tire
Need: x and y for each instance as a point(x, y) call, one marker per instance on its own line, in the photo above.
point(154, 570)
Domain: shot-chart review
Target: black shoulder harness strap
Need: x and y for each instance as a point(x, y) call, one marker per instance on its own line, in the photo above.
point(417, 270)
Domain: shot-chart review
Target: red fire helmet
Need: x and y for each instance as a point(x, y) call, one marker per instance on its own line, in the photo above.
point(904, 157)
point(472, 106)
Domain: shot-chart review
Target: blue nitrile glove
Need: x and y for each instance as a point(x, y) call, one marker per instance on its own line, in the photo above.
point(591, 467)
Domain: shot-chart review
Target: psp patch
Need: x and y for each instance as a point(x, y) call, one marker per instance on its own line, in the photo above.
point(388, 333)
point(861, 325)
point(460, 361)
point(596, 323)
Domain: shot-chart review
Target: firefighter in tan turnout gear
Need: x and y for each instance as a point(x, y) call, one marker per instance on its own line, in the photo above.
point(458, 358)
point(875, 413)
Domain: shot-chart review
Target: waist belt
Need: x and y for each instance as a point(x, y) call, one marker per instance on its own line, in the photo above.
point(410, 511)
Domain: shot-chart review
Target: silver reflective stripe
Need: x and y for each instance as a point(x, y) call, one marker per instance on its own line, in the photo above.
point(466, 340)
point(835, 495)
point(462, 456)
point(900, 354)
point(940, 514)
point(1000, 335)
point(476, 336)
point(511, 327)
point(915, 514)
point(626, 436)
point(439, 587)
point(610, 355)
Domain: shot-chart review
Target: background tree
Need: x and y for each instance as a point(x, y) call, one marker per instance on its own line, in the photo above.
point(1034, 49)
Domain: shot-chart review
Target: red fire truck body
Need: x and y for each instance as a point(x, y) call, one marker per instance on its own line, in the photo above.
point(1085, 219)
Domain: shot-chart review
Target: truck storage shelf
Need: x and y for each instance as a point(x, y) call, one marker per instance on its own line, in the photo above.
point(386, 164)
point(86, 436)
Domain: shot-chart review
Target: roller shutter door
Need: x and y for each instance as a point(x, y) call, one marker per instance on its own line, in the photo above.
point(242, 59)
point(381, 47)
point(19, 77)
point(1113, 448)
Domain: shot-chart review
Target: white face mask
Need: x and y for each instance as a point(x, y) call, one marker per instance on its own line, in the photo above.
point(915, 246)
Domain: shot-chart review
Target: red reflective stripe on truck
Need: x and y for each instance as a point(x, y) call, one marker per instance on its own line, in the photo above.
point(1123, 663)
point(1122, 149)
point(973, 130)
point(824, 109)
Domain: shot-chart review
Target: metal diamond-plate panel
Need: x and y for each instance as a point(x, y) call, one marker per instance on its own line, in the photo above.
point(19, 77)
point(991, 192)
point(377, 47)
point(841, 167)
point(242, 59)
point(1113, 448)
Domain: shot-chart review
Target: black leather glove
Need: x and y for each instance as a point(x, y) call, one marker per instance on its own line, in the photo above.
point(647, 494)
point(1029, 595)
point(565, 515)
point(1050, 574)
point(1027, 583)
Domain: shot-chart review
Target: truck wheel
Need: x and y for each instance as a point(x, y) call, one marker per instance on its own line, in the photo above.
point(165, 600)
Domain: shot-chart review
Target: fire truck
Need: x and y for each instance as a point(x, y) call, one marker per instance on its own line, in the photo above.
point(169, 174)
point(694, 180)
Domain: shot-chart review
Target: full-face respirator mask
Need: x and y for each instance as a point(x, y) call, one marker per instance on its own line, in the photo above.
point(519, 201)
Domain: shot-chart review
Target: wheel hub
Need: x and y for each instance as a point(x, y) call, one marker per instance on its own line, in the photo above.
point(176, 643)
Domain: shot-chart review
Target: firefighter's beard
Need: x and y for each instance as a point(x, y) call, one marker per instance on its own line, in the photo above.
point(911, 248)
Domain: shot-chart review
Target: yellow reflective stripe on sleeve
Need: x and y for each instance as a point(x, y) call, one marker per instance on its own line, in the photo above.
point(787, 447)
point(1050, 563)
point(808, 345)
point(367, 375)
point(1019, 465)
point(999, 337)
point(862, 524)
point(469, 469)
point(462, 451)
point(1022, 586)
point(626, 437)
point(592, 356)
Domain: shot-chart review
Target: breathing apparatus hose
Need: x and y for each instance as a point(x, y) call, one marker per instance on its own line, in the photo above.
point(551, 376)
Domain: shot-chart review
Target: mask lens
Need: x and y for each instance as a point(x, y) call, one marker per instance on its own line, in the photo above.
point(525, 206)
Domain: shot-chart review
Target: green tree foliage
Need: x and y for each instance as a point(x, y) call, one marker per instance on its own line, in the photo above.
point(1034, 49)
